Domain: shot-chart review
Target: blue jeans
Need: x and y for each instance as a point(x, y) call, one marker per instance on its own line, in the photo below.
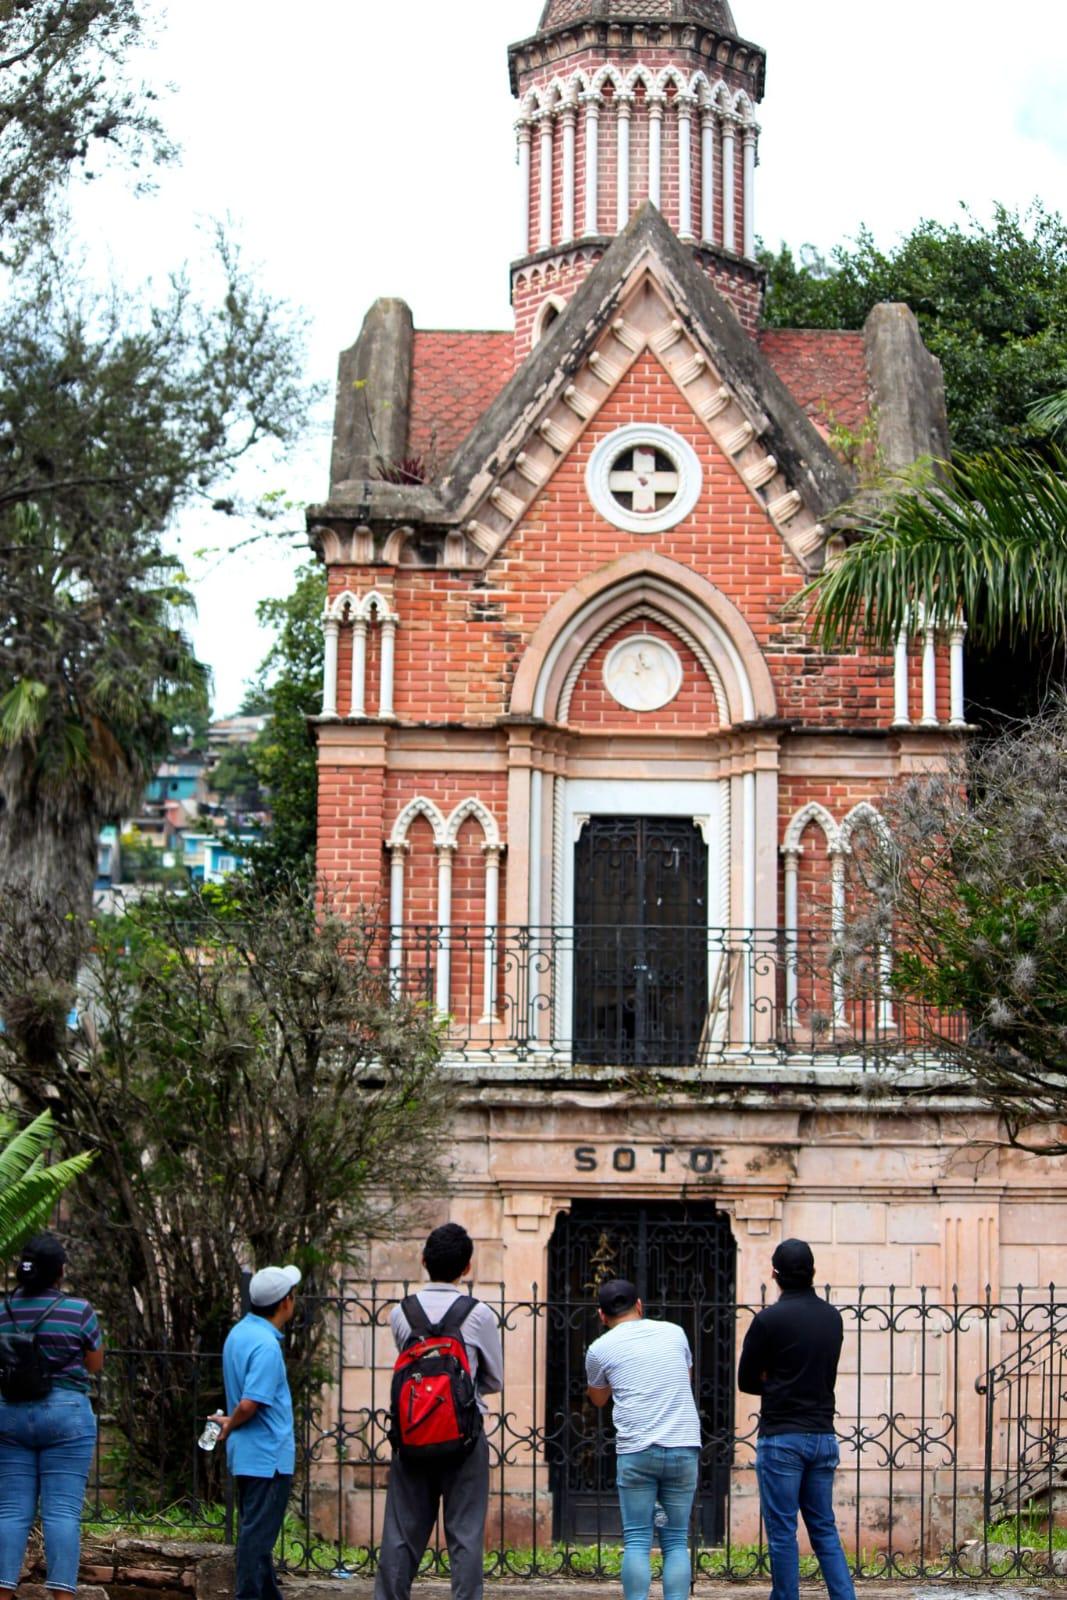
point(262, 1503)
point(795, 1472)
point(46, 1450)
point(669, 1476)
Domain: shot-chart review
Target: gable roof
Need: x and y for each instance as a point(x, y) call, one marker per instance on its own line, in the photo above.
point(455, 376)
point(517, 441)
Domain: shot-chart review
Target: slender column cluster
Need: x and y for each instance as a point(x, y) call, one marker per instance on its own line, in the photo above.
point(360, 615)
point(930, 711)
point(668, 112)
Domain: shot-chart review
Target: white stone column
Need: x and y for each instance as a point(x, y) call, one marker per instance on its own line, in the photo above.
point(958, 713)
point(750, 137)
point(655, 152)
point(901, 693)
point(592, 165)
point(729, 184)
point(929, 676)
point(492, 928)
point(445, 856)
point(544, 233)
point(525, 189)
point(624, 107)
point(791, 855)
point(837, 924)
point(685, 167)
point(397, 852)
point(385, 694)
point(569, 116)
point(359, 667)
point(332, 629)
point(707, 176)
point(748, 899)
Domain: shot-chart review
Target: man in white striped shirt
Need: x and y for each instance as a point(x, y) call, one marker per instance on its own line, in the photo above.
point(646, 1369)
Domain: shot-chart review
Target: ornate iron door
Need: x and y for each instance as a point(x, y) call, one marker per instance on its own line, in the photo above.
point(683, 1260)
point(640, 942)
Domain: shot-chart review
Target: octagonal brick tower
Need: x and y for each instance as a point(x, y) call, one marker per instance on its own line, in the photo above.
point(623, 101)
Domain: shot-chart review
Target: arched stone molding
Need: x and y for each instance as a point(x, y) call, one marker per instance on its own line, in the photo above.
point(816, 815)
point(868, 816)
point(652, 614)
point(677, 593)
point(552, 306)
point(446, 843)
point(360, 613)
point(419, 807)
point(492, 850)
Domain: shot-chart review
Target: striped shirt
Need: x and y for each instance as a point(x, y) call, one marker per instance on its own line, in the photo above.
point(67, 1332)
point(646, 1365)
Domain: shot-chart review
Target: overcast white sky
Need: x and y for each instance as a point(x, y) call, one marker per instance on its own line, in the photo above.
point(364, 149)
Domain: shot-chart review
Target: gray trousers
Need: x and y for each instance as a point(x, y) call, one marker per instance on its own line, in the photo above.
point(412, 1501)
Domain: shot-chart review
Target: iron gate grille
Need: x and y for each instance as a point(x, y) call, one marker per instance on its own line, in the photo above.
point(640, 941)
point(682, 1257)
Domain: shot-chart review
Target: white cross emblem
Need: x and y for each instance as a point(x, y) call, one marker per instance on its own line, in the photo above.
point(643, 481)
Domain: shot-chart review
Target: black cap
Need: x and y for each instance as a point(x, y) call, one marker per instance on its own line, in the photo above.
point(793, 1259)
point(42, 1251)
point(617, 1296)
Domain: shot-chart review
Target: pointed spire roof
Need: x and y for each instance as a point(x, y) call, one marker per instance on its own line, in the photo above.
point(712, 13)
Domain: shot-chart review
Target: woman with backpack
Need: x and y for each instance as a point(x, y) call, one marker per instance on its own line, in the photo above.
point(50, 1345)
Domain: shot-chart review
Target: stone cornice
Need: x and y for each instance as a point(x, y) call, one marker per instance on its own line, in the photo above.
point(620, 35)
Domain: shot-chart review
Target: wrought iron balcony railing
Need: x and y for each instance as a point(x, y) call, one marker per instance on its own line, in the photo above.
point(657, 997)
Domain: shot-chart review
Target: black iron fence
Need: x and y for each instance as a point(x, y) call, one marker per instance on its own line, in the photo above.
point(952, 1423)
point(635, 995)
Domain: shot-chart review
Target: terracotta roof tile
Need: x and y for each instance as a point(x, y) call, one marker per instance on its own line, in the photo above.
point(455, 378)
point(824, 370)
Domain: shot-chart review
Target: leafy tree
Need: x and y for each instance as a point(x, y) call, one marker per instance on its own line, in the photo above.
point(289, 688)
point(114, 414)
point(991, 302)
point(29, 1187)
point(254, 1093)
point(235, 781)
point(969, 888)
point(65, 96)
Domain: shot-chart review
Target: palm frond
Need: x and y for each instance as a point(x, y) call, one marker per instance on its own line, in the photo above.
point(29, 1189)
point(21, 711)
point(28, 1204)
point(1051, 413)
point(989, 543)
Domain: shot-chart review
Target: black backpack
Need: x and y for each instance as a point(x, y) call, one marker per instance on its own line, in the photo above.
point(25, 1370)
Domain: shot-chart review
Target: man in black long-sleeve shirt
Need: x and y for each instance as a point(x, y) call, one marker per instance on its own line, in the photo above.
point(789, 1359)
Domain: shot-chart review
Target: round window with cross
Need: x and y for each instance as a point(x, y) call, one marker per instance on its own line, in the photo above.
point(644, 478)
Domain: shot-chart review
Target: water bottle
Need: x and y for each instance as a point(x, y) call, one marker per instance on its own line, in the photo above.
point(660, 1518)
point(210, 1436)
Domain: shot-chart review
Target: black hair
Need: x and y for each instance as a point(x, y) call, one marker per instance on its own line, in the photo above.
point(268, 1311)
point(791, 1282)
point(447, 1253)
point(40, 1265)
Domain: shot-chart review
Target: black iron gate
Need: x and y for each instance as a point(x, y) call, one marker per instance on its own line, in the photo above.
point(682, 1258)
point(640, 941)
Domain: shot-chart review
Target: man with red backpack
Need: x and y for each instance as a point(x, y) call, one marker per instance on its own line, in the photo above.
point(450, 1356)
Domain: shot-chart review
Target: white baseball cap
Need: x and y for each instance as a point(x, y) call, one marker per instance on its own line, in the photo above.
point(272, 1284)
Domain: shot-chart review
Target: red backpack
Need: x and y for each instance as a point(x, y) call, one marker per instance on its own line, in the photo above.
point(434, 1413)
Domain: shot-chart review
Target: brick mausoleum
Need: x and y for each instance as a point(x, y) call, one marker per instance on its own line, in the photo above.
point(579, 755)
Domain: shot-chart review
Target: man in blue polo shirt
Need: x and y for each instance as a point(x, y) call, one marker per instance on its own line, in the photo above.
point(260, 1443)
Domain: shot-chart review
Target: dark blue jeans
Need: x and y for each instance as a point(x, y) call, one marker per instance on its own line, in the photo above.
point(262, 1503)
point(643, 1477)
point(46, 1450)
point(795, 1472)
